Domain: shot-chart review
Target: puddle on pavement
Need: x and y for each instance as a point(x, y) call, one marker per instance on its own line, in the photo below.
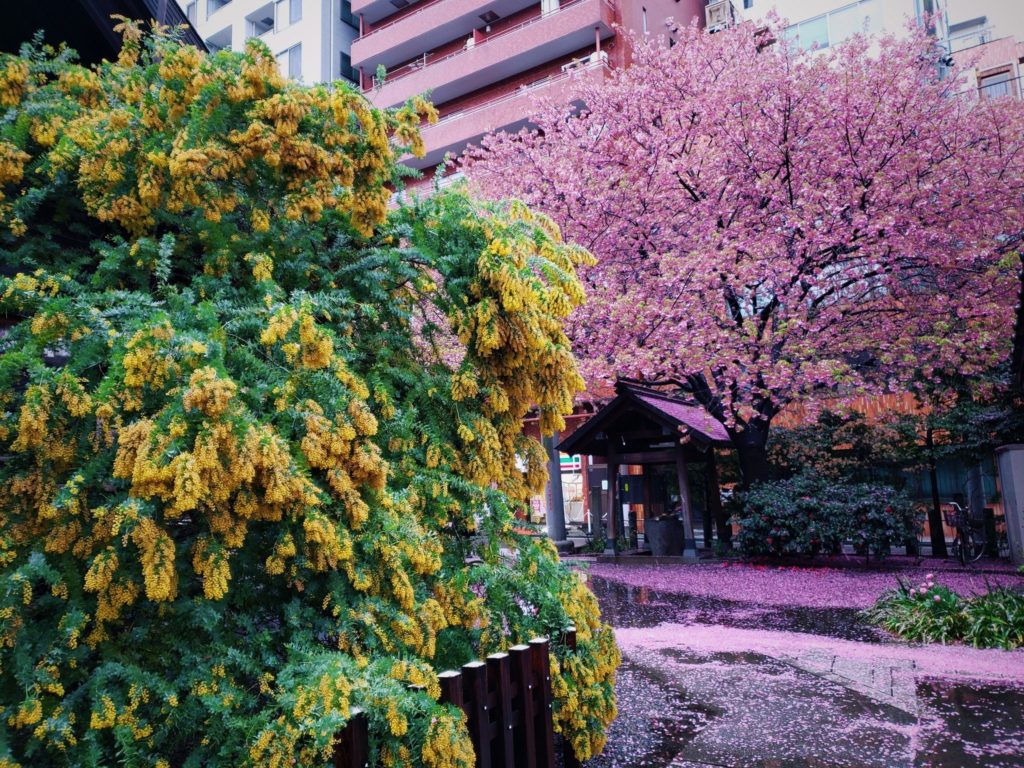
point(655, 723)
point(627, 606)
point(666, 705)
point(967, 725)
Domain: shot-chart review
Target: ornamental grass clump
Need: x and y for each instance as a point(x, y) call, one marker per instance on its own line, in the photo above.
point(262, 439)
point(933, 613)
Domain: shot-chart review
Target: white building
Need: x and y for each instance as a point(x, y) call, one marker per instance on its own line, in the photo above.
point(966, 23)
point(312, 39)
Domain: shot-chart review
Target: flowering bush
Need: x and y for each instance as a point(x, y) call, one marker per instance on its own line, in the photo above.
point(930, 613)
point(809, 513)
point(877, 516)
point(253, 426)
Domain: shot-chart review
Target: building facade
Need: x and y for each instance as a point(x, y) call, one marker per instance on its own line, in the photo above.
point(486, 63)
point(312, 39)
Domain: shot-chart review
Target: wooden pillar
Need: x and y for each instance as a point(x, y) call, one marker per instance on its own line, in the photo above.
point(612, 546)
point(690, 547)
point(645, 478)
point(714, 494)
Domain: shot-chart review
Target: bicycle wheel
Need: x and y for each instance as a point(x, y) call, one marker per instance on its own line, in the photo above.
point(956, 550)
point(973, 548)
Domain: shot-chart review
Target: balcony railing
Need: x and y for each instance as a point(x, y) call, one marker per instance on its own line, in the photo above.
point(601, 61)
point(420, 7)
point(427, 61)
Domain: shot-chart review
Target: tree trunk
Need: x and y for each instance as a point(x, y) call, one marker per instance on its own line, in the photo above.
point(752, 451)
point(714, 496)
point(938, 536)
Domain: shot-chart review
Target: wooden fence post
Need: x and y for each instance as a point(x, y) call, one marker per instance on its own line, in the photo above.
point(569, 759)
point(352, 745)
point(525, 680)
point(500, 677)
point(475, 692)
point(546, 732)
point(514, 687)
point(451, 689)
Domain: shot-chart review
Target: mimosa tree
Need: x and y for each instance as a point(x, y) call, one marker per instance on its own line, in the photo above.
point(254, 426)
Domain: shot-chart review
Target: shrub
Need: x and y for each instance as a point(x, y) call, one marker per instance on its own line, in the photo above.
point(996, 620)
point(876, 516)
point(260, 437)
point(932, 613)
point(807, 514)
point(789, 517)
point(927, 613)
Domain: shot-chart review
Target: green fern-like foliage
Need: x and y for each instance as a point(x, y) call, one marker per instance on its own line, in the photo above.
point(261, 439)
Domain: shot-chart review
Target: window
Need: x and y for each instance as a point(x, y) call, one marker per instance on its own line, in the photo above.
point(346, 15)
point(995, 85)
point(748, 3)
point(813, 32)
point(849, 21)
point(290, 62)
point(212, 6)
point(548, 6)
point(191, 10)
point(834, 27)
point(294, 11)
point(348, 72)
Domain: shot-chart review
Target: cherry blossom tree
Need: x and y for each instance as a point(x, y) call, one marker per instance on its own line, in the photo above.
point(771, 223)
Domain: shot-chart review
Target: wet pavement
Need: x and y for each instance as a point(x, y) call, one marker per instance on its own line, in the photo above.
point(713, 682)
point(624, 605)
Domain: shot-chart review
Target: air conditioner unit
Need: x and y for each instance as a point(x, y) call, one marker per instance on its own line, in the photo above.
point(719, 15)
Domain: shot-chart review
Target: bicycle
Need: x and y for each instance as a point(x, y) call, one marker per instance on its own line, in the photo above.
point(1002, 537)
point(967, 546)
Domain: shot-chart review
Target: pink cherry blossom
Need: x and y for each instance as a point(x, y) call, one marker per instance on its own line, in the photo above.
point(771, 224)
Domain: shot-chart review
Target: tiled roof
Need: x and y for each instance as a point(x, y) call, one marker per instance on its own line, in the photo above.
point(693, 416)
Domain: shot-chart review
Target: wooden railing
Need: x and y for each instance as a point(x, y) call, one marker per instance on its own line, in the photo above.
point(507, 701)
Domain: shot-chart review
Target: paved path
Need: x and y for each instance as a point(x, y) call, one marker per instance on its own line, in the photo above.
point(713, 683)
point(793, 700)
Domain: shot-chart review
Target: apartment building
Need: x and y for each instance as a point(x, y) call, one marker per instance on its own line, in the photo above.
point(823, 23)
point(996, 62)
point(312, 39)
point(487, 62)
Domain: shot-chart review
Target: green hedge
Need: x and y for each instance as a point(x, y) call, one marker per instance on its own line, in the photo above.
point(807, 514)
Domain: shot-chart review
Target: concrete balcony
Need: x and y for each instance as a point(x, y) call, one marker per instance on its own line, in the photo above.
point(573, 26)
point(432, 24)
point(509, 112)
point(373, 11)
